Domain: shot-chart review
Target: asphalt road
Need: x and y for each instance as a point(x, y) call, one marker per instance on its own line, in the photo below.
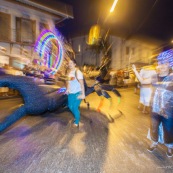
point(48, 144)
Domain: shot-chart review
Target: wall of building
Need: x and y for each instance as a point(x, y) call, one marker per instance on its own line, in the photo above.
point(124, 52)
point(16, 10)
point(85, 55)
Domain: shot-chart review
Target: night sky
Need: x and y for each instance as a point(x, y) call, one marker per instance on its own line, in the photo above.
point(130, 19)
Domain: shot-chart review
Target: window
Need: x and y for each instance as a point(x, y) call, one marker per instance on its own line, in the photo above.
point(25, 30)
point(5, 27)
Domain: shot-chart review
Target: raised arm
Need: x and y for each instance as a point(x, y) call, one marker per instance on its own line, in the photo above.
point(82, 96)
point(141, 80)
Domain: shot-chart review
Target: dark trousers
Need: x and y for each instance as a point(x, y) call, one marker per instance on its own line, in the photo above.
point(167, 123)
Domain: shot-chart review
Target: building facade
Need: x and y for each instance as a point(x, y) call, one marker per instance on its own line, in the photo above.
point(21, 22)
point(124, 52)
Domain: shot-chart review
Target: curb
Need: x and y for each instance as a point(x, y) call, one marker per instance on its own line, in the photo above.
point(8, 97)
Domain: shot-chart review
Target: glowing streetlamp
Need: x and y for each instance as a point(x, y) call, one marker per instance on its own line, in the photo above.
point(113, 6)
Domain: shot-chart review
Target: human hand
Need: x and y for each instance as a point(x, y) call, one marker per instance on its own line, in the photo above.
point(133, 67)
point(82, 96)
point(66, 92)
point(163, 113)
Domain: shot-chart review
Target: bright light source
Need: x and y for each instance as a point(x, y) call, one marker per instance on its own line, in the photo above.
point(113, 6)
point(79, 48)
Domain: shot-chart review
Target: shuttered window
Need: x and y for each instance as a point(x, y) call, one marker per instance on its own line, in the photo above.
point(25, 30)
point(5, 27)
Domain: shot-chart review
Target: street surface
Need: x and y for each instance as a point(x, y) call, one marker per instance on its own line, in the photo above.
point(49, 144)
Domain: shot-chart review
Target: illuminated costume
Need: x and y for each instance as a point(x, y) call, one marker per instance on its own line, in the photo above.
point(162, 110)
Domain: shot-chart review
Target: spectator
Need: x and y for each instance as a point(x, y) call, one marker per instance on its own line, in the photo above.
point(75, 90)
point(145, 75)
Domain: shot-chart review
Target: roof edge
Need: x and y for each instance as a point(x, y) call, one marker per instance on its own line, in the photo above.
point(48, 9)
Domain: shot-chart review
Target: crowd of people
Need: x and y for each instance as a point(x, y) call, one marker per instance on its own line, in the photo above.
point(156, 96)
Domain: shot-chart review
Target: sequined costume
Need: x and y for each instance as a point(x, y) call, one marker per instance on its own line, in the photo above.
point(162, 109)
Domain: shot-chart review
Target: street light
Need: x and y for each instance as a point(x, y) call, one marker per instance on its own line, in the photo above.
point(113, 6)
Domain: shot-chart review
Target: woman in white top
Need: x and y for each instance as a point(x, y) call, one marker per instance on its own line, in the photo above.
point(144, 78)
point(75, 90)
point(146, 89)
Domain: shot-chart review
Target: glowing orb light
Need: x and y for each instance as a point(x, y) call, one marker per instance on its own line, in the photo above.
point(50, 50)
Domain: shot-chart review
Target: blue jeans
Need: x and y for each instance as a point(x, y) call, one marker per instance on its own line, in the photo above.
point(73, 104)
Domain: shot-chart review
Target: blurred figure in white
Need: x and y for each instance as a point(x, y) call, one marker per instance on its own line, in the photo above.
point(145, 87)
point(162, 108)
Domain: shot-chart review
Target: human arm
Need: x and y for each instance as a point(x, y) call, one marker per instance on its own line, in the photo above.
point(63, 77)
point(139, 77)
point(82, 95)
point(80, 79)
point(67, 88)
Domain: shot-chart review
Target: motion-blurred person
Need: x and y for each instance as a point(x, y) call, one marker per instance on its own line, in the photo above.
point(161, 129)
point(75, 90)
point(162, 109)
point(145, 74)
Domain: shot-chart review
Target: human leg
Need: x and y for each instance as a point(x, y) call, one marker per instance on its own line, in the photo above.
point(168, 135)
point(76, 111)
point(142, 99)
point(154, 129)
point(73, 103)
point(146, 109)
point(146, 99)
point(155, 122)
